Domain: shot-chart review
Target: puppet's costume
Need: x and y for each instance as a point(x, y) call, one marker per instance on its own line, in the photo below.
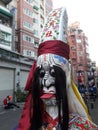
point(53, 102)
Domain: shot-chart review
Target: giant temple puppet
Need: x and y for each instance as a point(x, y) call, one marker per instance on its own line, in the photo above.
point(53, 101)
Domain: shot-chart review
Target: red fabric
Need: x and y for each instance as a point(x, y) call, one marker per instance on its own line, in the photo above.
point(51, 122)
point(80, 78)
point(54, 47)
point(5, 101)
point(82, 124)
point(30, 77)
point(24, 123)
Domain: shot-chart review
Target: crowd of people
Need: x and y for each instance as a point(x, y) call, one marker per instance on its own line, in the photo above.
point(90, 91)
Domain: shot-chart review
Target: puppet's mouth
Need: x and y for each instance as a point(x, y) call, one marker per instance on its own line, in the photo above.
point(47, 96)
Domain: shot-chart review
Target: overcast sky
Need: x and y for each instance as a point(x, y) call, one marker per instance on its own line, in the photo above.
point(86, 12)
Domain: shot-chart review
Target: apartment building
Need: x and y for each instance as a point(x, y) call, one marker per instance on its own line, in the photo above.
point(14, 68)
point(29, 21)
point(6, 26)
point(79, 53)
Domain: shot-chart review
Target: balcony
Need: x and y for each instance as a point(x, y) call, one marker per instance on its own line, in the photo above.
point(6, 1)
point(9, 55)
point(35, 7)
point(73, 47)
point(73, 59)
point(5, 28)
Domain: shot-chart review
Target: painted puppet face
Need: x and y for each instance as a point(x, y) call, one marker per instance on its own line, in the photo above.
point(47, 83)
point(48, 75)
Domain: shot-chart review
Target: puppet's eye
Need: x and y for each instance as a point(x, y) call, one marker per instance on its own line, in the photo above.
point(52, 72)
point(42, 73)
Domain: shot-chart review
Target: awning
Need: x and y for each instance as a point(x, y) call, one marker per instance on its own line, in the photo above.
point(5, 13)
point(6, 1)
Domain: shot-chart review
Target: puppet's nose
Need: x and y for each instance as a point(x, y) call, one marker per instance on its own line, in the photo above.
point(46, 83)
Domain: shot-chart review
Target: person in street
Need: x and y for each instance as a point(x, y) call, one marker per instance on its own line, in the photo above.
point(53, 101)
point(82, 90)
point(8, 104)
point(92, 92)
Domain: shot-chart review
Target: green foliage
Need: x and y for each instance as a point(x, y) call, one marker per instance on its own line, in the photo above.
point(20, 95)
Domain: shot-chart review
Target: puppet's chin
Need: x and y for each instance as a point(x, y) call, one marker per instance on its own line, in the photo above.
point(49, 99)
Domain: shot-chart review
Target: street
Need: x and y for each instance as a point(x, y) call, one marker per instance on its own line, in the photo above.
point(10, 118)
point(94, 112)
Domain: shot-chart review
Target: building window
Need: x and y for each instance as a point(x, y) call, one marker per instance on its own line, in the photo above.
point(79, 31)
point(73, 48)
point(36, 44)
point(28, 53)
point(5, 36)
point(16, 38)
point(28, 12)
point(36, 0)
point(29, 1)
point(74, 54)
point(78, 40)
point(80, 53)
point(28, 38)
point(80, 47)
point(72, 30)
point(3, 42)
point(35, 20)
point(81, 59)
point(28, 25)
point(36, 32)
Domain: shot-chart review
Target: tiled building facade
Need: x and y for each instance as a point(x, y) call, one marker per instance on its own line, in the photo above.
point(6, 26)
point(30, 17)
point(79, 53)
